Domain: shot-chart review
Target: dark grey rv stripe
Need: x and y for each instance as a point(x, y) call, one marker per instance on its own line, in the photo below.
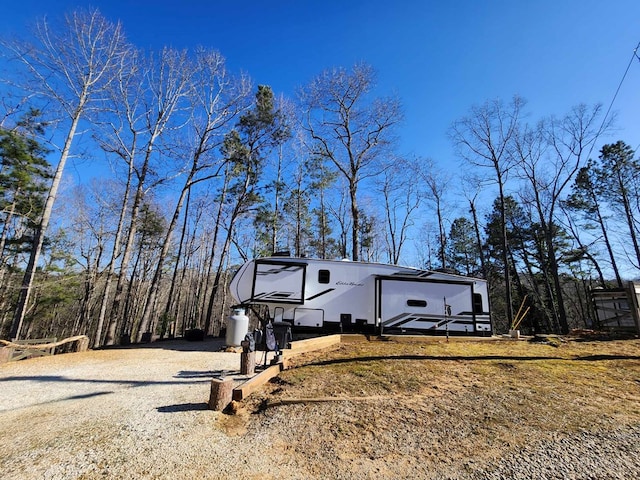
point(275, 271)
point(393, 319)
point(439, 324)
point(399, 324)
point(320, 294)
point(438, 321)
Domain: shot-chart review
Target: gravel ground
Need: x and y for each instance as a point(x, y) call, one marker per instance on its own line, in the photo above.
point(142, 413)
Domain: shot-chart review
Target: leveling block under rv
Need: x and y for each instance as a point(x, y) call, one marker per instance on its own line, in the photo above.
point(330, 295)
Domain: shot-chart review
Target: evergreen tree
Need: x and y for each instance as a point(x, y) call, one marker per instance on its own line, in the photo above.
point(618, 176)
point(462, 248)
point(586, 200)
point(24, 177)
point(245, 149)
point(322, 178)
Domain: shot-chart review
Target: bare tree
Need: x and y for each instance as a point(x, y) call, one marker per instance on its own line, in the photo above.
point(438, 184)
point(472, 186)
point(350, 131)
point(484, 139)
point(87, 227)
point(548, 173)
point(146, 115)
point(216, 99)
point(402, 198)
point(121, 141)
point(68, 67)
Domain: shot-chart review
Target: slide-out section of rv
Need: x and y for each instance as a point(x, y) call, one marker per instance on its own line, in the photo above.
point(358, 296)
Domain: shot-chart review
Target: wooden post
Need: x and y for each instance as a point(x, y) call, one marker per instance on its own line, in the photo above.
point(83, 345)
point(221, 393)
point(5, 354)
point(247, 363)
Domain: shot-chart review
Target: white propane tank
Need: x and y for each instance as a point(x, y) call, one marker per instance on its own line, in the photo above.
point(237, 327)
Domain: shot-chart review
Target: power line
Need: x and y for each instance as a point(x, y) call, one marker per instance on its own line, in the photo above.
point(634, 55)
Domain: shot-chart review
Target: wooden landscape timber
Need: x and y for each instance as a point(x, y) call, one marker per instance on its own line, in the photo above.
point(312, 344)
point(251, 385)
point(296, 348)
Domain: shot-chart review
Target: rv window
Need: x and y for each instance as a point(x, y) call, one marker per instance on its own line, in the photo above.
point(477, 303)
point(416, 303)
point(323, 276)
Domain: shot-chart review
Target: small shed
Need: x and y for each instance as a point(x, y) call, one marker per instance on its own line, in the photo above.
point(617, 309)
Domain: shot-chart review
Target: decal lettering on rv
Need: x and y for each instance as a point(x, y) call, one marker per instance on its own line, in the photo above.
point(350, 284)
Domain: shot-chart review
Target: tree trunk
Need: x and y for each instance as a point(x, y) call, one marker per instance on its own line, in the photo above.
point(476, 227)
point(355, 216)
point(505, 251)
point(174, 278)
point(155, 282)
point(630, 222)
point(118, 300)
point(216, 230)
point(39, 234)
point(216, 282)
point(111, 268)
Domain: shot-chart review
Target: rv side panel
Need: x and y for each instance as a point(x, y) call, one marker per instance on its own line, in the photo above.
point(428, 305)
point(326, 294)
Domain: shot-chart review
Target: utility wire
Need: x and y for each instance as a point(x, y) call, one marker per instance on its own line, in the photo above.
point(634, 55)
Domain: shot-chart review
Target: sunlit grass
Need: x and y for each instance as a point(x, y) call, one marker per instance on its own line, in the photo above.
point(567, 385)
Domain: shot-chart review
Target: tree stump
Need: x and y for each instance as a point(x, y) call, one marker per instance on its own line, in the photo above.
point(221, 393)
point(247, 363)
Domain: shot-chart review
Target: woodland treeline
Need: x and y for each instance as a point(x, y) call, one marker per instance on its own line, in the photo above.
point(198, 169)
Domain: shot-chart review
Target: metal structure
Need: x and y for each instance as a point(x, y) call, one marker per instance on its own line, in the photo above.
point(617, 309)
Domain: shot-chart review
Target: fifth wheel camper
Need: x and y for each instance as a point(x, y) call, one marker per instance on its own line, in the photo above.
point(314, 294)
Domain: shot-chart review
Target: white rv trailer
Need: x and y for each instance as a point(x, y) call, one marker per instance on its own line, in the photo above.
point(357, 296)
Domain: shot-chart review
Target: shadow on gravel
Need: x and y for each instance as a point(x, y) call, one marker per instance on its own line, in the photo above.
point(183, 407)
point(131, 383)
point(206, 373)
point(177, 344)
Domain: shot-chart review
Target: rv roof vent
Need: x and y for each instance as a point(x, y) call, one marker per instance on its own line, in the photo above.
point(281, 253)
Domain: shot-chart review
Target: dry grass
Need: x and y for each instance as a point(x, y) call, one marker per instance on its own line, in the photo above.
point(452, 399)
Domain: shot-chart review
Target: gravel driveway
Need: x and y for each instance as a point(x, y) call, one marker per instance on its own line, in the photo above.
point(116, 413)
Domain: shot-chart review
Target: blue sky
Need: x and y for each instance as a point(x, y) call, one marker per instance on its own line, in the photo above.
point(438, 57)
